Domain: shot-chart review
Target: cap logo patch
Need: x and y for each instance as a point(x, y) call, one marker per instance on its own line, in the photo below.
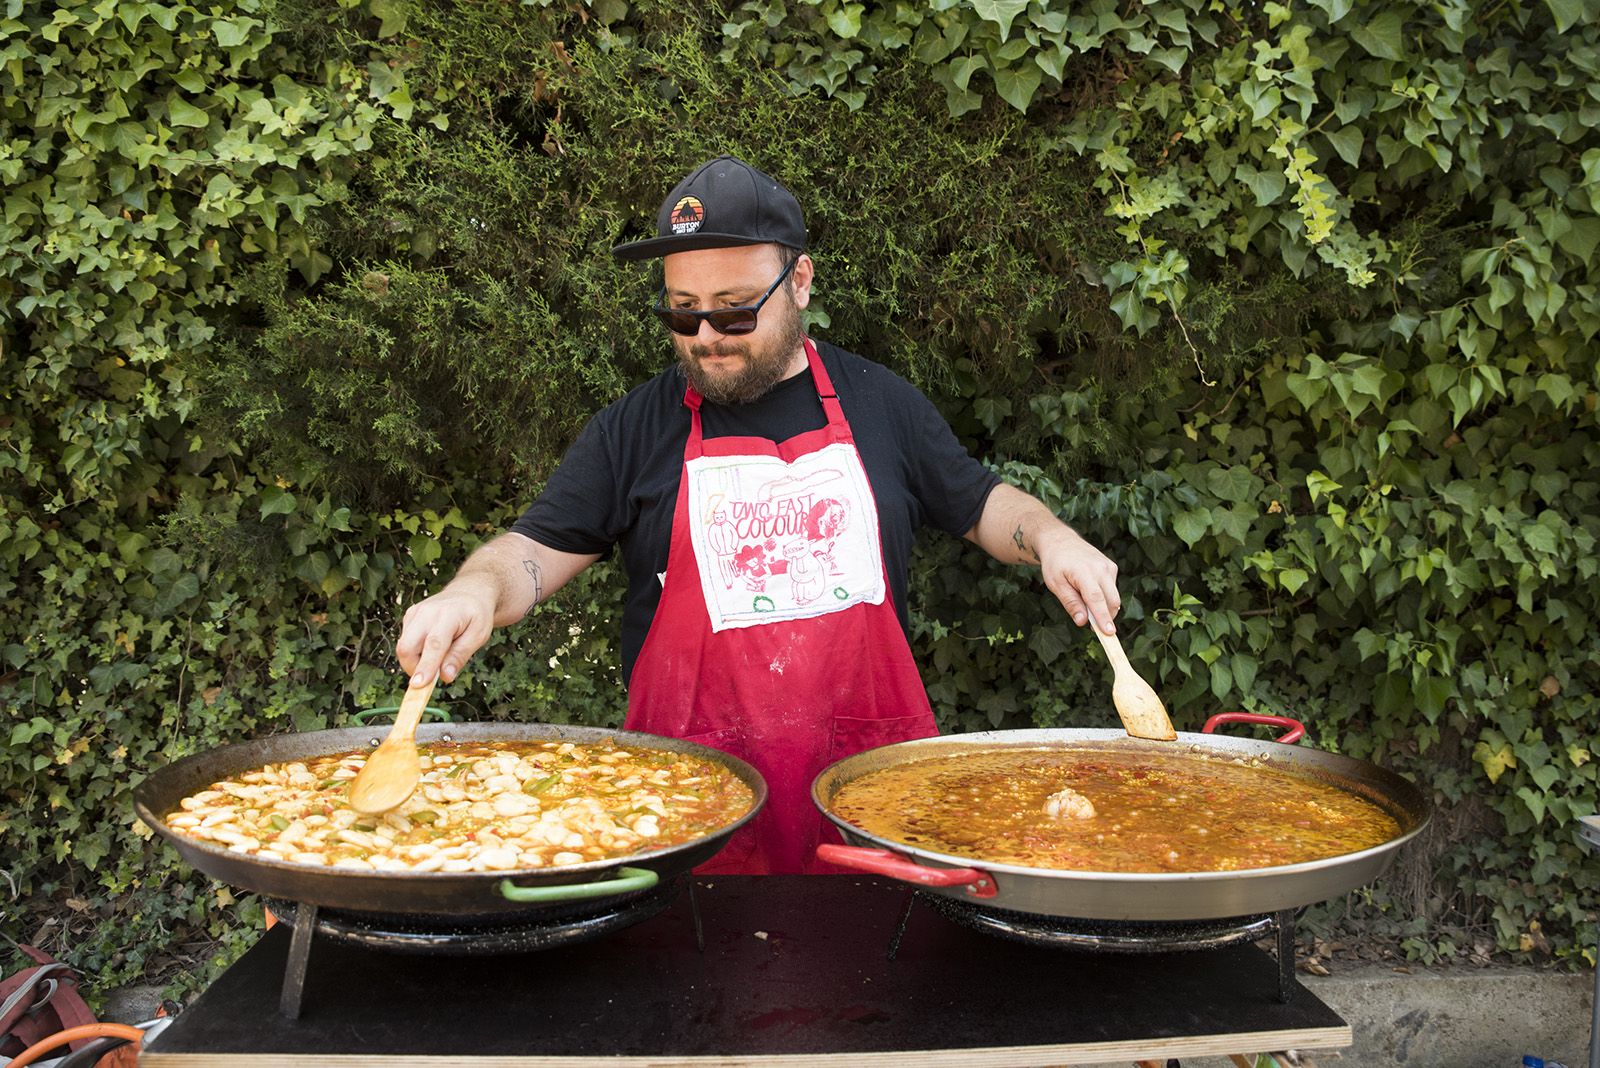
point(687, 215)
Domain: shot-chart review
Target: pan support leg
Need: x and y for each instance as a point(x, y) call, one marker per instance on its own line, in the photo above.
point(1286, 982)
point(694, 912)
point(905, 918)
point(294, 973)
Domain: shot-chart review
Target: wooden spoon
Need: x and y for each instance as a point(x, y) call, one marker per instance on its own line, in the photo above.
point(394, 768)
point(1143, 714)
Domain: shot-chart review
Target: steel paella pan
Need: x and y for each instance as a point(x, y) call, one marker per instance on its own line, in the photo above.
point(463, 897)
point(1129, 896)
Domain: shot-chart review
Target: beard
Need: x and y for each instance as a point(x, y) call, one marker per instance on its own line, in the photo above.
point(765, 365)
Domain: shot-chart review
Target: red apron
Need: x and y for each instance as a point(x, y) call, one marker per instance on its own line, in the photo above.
point(776, 639)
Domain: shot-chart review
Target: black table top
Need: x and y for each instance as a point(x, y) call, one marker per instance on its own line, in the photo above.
point(795, 971)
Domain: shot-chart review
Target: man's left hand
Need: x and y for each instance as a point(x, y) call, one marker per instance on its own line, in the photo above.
point(1017, 528)
point(1083, 578)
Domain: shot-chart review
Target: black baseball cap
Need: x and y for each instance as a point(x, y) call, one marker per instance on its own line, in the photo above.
point(723, 203)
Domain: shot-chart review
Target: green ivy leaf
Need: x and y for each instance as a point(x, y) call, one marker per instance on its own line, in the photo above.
point(23, 733)
point(231, 33)
point(1567, 13)
point(392, 16)
point(1234, 483)
point(1018, 84)
point(1580, 238)
point(1545, 776)
point(845, 20)
point(182, 113)
point(963, 69)
point(1191, 526)
point(1053, 61)
point(1346, 141)
point(1267, 185)
point(1336, 9)
point(1383, 36)
point(992, 412)
point(1049, 643)
point(1392, 696)
point(1000, 12)
point(1535, 802)
point(1293, 578)
point(1431, 694)
point(275, 501)
point(1319, 484)
point(424, 550)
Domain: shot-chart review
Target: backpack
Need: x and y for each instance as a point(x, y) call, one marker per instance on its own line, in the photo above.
point(37, 1002)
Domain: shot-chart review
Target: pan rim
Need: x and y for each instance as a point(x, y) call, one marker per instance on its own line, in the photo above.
point(1418, 813)
point(432, 732)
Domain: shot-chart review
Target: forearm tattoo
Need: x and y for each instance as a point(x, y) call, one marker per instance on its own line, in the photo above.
point(1027, 554)
point(538, 583)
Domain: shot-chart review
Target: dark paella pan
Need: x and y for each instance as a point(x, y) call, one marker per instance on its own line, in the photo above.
point(462, 896)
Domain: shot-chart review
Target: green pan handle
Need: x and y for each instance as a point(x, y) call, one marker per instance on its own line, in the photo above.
point(627, 880)
point(431, 712)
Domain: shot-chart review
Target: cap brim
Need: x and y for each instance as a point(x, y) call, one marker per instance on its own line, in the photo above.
point(665, 246)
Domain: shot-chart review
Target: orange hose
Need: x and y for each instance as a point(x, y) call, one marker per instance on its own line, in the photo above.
point(73, 1034)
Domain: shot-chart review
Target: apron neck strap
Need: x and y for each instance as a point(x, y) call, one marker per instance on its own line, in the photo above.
point(838, 429)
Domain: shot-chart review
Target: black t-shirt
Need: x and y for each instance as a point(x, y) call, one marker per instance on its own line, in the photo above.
point(618, 484)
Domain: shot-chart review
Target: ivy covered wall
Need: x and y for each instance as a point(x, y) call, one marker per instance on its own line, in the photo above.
point(1290, 307)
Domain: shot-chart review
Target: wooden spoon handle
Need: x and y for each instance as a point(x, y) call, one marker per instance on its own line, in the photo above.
point(1113, 647)
point(412, 706)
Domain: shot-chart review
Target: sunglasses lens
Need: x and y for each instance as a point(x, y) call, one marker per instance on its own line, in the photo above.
point(685, 323)
point(730, 321)
point(733, 321)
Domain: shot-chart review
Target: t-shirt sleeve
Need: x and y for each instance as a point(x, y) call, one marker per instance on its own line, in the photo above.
point(582, 508)
point(950, 484)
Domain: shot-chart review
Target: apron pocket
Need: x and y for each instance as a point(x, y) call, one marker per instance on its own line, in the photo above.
point(855, 734)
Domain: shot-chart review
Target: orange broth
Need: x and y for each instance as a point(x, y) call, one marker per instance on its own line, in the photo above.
point(1152, 812)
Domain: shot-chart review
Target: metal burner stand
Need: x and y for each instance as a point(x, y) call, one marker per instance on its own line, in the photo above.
point(546, 929)
point(793, 971)
point(1107, 936)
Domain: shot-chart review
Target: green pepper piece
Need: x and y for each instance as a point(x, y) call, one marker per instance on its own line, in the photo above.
point(539, 786)
point(279, 823)
point(456, 770)
point(425, 815)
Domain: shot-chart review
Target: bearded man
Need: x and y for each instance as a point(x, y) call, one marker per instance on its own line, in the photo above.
point(754, 426)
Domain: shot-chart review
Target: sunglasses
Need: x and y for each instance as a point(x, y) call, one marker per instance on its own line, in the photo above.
point(741, 320)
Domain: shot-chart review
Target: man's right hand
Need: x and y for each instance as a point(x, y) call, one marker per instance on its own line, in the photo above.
point(440, 634)
point(498, 585)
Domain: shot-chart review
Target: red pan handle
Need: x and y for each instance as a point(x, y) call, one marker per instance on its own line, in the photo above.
point(1295, 732)
point(883, 862)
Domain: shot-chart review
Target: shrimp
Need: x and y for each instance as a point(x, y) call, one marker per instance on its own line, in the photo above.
point(1067, 803)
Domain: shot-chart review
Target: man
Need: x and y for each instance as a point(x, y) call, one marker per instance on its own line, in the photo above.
point(764, 493)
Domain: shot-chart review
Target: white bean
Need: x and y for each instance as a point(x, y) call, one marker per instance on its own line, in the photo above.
point(511, 804)
point(498, 859)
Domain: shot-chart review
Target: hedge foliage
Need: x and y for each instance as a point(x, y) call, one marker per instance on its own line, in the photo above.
point(1291, 307)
